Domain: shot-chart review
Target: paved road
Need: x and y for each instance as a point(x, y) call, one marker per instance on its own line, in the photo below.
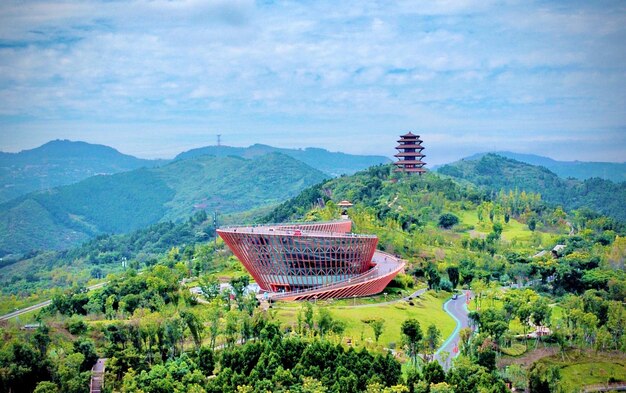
point(43, 304)
point(458, 310)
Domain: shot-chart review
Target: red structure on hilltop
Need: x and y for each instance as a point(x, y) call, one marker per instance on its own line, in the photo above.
point(410, 154)
point(312, 260)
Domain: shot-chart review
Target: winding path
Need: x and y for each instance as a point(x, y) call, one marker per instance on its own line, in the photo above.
point(457, 309)
point(43, 304)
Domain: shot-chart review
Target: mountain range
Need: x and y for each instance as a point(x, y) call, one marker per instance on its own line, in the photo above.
point(61, 162)
point(64, 162)
point(332, 163)
point(614, 171)
point(63, 216)
point(494, 173)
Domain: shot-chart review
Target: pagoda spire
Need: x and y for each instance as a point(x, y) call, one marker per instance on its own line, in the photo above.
point(410, 154)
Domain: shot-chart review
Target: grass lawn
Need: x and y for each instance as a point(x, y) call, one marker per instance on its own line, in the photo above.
point(428, 310)
point(589, 368)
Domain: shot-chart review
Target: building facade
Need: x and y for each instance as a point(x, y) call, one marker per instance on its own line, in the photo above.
point(312, 260)
point(410, 154)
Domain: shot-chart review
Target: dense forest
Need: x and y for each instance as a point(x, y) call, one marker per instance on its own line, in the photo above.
point(495, 173)
point(614, 171)
point(61, 162)
point(68, 215)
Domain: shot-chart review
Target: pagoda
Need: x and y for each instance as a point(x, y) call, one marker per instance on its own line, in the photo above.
point(410, 154)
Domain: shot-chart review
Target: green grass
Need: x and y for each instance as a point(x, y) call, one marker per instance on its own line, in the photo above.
point(428, 310)
point(594, 372)
point(588, 368)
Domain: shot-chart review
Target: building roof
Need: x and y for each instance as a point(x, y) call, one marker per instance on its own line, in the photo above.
point(409, 162)
point(345, 203)
point(404, 147)
point(409, 154)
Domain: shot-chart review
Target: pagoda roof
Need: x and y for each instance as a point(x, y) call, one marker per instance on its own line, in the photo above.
point(409, 134)
point(416, 140)
point(345, 203)
point(410, 146)
point(409, 154)
point(409, 162)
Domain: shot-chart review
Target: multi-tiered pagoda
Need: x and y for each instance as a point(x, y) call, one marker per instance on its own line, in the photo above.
point(410, 154)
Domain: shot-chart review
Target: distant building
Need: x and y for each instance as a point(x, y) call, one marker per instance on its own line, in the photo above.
point(557, 251)
point(410, 154)
point(344, 205)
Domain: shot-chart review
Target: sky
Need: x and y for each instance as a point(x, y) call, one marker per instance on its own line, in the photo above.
point(154, 78)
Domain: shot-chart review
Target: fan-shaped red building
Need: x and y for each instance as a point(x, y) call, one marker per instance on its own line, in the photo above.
point(312, 260)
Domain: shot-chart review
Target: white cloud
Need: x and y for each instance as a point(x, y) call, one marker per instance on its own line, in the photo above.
point(266, 71)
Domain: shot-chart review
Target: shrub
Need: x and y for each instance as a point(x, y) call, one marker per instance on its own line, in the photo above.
point(514, 350)
point(448, 220)
point(75, 325)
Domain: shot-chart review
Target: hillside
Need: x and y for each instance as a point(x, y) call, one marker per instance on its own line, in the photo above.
point(581, 170)
point(332, 163)
point(495, 173)
point(60, 162)
point(67, 215)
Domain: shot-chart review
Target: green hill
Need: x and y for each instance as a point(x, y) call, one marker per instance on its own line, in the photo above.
point(495, 173)
point(614, 171)
point(66, 215)
point(332, 163)
point(60, 162)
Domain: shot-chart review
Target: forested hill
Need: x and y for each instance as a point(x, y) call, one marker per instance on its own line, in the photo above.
point(614, 171)
point(332, 163)
point(61, 162)
point(67, 215)
point(494, 173)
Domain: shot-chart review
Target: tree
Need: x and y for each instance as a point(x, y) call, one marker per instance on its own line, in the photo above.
point(70, 375)
point(453, 275)
point(195, 326)
point(433, 372)
point(239, 285)
point(210, 286)
point(377, 326)
point(433, 276)
point(541, 312)
point(448, 220)
point(46, 387)
point(497, 229)
point(412, 337)
point(543, 378)
point(213, 315)
point(432, 339)
point(324, 321)
point(88, 350)
point(532, 223)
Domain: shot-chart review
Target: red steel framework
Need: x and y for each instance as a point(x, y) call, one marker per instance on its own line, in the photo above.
point(312, 260)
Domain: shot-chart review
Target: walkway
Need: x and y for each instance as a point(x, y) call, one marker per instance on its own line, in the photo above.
point(43, 304)
point(97, 376)
point(369, 283)
point(457, 309)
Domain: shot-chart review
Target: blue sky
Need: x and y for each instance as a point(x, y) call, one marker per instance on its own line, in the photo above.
point(153, 78)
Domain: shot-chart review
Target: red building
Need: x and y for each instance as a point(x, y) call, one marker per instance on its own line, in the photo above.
point(410, 154)
point(312, 261)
